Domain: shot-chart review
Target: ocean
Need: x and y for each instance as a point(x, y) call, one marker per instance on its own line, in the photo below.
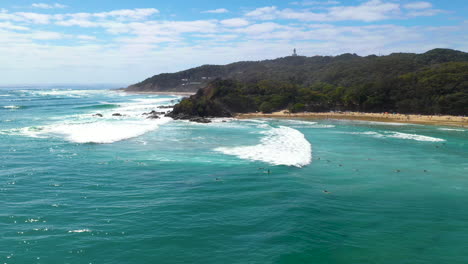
point(79, 188)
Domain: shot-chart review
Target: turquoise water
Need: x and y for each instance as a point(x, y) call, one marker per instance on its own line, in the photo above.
point(76, 188)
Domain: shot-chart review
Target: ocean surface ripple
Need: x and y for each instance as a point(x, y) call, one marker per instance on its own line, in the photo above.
point(77, 187)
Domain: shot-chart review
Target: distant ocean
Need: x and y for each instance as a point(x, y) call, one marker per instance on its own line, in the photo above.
point(79, 188)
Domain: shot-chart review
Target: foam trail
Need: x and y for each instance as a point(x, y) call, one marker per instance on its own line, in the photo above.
point(86, 128)
point(415, 137)
point(451, 129)
point(105, 132)
point(300, 122)
point(399, 135)
point(67, 93)
point(279, 146)
point(12, 107)
point(79, 231)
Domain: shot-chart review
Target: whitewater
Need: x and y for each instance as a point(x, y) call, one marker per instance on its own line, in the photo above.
point(84, 172)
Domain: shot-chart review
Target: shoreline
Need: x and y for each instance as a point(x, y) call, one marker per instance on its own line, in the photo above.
point(443, 120)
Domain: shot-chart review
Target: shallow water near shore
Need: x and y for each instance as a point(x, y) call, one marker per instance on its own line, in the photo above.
point(79, 188)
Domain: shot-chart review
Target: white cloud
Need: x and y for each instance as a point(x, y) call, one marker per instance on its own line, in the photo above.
point(373, 10)
point(418, 5)
point(47, 35)
point(86, 37)
point(317, 3)
point(136, 14)
point(79, 19)
point(48, 6)
point(425, 12)
point(217, 11)
point(264, 13)
point(77, 22)
point(261, 28)
point(9, 25)
point(235, 22)
point(132, 45)
point(34, 18)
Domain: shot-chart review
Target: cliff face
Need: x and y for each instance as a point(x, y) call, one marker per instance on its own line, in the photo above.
point(343, 70)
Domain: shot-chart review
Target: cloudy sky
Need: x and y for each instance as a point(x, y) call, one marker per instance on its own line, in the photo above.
point(123, 41)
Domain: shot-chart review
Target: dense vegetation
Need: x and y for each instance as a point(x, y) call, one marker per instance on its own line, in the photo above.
point(438, 89)
point(344, 70)
point(435, 82)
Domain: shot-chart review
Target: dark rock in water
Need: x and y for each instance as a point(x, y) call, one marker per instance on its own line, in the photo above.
point(166, 106)
point(116, 114)
point(98, 114)
point(154, 113)
point(192, 118)
point(180, 116)
point(199, 120)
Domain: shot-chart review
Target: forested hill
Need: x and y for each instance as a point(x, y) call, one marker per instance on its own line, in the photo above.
point(435, 82)
point(344, 70)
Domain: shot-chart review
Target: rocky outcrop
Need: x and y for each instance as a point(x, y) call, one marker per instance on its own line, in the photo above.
point(153, 114)
point(199, 120)
point(191, 118)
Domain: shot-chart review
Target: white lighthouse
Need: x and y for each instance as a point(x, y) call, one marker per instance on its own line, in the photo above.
point(294, 53)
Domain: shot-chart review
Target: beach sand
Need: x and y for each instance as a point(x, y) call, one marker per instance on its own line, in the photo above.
point(443, 120)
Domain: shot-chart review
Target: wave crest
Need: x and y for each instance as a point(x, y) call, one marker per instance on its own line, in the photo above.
point(279, 146)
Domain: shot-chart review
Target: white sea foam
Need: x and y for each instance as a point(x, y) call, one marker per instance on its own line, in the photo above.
point(68, 92)
point(451, 129)
point(279, 146)
point(306, 124)
point(137, 106)
point(155, 100)
point(104, 131)
point(253, 120)
point(12, 107)
point(223, 120)
point(372, 133)
point(414, 137)
point(79, 231)
point(86, 128)
point(376, 123)
point(300, 122)
point(389, 134)
point(35, 132)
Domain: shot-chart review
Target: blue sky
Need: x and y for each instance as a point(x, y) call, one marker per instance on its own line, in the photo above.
point(89, 41)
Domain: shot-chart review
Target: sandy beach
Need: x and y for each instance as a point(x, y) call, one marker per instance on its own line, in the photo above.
point(443, 120)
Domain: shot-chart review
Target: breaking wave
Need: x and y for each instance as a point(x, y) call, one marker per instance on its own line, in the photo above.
point(99, 106)
point(415, 137)
point(399, 135)
point(105, 132)
point(279, 146)
point(451, 129)
point(12, 107)
point(89, 128)
point(67, 93)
